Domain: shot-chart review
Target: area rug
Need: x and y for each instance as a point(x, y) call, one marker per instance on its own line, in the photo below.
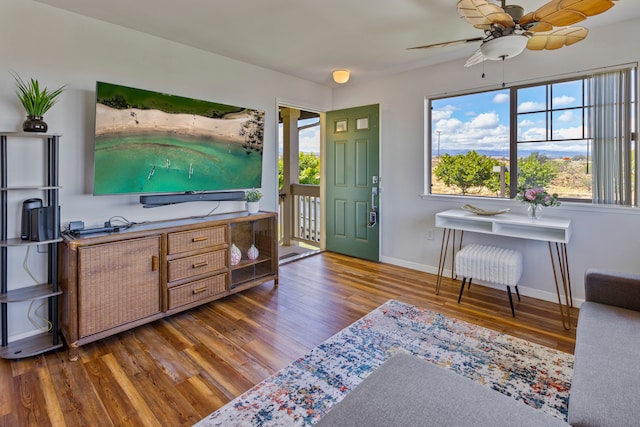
point(304, 391)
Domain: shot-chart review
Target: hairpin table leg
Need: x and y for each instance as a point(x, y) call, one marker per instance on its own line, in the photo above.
point(446, 239)
point(560, 267)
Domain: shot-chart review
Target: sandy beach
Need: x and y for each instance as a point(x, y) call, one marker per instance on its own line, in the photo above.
point(132, 121)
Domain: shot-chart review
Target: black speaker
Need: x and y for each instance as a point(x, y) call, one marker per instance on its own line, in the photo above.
point(27, 207)
point(42, 224)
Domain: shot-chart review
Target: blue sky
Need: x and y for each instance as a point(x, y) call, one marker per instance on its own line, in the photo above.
point(309, 138)
point(481, 121)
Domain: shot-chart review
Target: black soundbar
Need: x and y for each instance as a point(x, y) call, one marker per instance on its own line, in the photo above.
point(84, 231)
point(153, 200)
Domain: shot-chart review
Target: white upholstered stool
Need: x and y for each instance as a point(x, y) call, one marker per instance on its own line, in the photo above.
point(490, 264)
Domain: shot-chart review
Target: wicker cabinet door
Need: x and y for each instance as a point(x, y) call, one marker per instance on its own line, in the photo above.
point(118, 283)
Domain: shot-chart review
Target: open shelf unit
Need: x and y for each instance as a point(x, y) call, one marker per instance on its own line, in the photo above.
point(511, 225)
point(258, 233)
point(50, 340)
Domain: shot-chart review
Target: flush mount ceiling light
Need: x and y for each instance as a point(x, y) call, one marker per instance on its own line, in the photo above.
point(341, 76)
point(504, 47)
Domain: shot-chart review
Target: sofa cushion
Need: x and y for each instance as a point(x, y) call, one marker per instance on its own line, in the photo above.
point(606, 379)
point(409, 391)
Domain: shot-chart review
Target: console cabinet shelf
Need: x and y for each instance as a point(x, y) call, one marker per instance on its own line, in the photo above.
point(11, 293)
point(29, 293)
point(113, 282)
point(256, 234)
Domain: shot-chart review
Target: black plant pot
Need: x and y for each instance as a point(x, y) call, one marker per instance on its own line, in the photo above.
point(34, 124)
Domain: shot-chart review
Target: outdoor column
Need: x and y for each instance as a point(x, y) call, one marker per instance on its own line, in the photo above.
point(291, 166)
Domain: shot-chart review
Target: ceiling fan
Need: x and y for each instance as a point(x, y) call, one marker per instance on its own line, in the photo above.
point(507, 30)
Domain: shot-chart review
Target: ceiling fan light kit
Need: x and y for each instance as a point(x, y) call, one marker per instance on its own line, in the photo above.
point(508, 31)
point(341, 76)
point(504, 47)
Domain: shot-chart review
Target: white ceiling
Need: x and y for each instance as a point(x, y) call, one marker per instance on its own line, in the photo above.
point(309, 39)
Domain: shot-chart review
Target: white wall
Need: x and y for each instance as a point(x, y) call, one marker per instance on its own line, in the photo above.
point(58, 47)
point(602, 237)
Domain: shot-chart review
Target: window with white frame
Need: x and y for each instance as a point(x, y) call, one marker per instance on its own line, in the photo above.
point(574, 137)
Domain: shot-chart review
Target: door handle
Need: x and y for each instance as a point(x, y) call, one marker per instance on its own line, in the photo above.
point(373, 213)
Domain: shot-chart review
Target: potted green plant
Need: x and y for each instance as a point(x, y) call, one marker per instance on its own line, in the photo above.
point(36, 101)
point(253, 197)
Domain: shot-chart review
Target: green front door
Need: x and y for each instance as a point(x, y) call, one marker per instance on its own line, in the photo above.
point(351, 178)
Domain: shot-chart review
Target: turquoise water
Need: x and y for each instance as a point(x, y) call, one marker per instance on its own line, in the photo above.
point(160, 164)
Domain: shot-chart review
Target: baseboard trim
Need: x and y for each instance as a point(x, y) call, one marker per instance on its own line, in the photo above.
point(524, 290)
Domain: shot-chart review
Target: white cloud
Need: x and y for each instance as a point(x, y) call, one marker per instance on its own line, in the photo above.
point(563, 100)
point(485, 120)
point(533, 134)
point(483, 132)
point(526, 123)
point(568, 133)
point(443, 113)
point(501, 98)
point(529, 106)
point(539, 134)
point(566, 116)
point(449, 126)
point(309, 141)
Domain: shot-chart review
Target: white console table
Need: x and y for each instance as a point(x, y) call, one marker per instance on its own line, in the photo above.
point(555, 231)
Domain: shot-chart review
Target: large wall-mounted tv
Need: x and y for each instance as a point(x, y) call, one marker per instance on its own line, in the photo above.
point(149, 142)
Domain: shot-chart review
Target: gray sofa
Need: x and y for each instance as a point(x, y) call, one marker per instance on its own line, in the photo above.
point(408, 391)
point(605, 390)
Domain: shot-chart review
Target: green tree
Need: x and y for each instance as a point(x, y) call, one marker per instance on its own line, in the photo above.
point(468, 171)
point(536, 170)
point(309, 169)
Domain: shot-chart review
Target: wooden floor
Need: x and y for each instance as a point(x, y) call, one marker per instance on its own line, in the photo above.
point(175, 371)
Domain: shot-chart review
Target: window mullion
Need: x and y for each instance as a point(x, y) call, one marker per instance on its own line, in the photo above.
point(513, 142)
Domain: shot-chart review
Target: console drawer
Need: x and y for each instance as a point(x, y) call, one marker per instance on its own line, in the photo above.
point(186, 241)
point(196, 265)
point(194, 291)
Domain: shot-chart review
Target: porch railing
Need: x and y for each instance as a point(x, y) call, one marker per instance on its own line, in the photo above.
point(305, 218)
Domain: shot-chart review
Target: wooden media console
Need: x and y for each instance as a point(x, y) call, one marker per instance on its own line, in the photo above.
point(113, 282)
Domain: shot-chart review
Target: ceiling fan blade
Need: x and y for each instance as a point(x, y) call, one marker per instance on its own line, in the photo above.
point(474, 59)
point(539, 26)
point(562, 13)
point(480, 12)
point(557, 38)
point(451, 43)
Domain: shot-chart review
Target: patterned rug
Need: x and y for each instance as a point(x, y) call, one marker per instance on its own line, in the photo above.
point(301, 393)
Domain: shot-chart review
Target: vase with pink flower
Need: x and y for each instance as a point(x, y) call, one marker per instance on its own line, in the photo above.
point(536, 198)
